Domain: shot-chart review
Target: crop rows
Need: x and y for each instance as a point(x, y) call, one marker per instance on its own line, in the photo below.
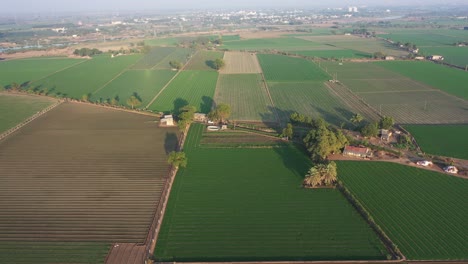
point(240, 62)
point(203, 60)
point(278, 68)
point(194, 88)
point(421, 211)
point(247, 204)
point(448, 140)
point(181, 55)
point(83, 173)
point(247, 96)
point(153, 57)
point(286, 44)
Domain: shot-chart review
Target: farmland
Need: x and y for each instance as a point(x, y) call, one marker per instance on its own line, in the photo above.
point(154, 57)
point(286, 44)
point(308, 98)
point(189, 87)
point(16, 108)
point(247, 204)
point(421, 211)
point(240, 62)
point(81, 174)
point(180, 54)
point(247, 96)
point(447, 140)
point(203, 60)
point(440, 77)
point(27, 70)
point(278, 68)
point(392, 94)
point(334, 53)
point(86, 77)
point(146, 83)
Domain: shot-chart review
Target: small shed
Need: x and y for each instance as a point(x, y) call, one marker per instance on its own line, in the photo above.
point(167, 120)
point(389, 58)
point(354, 151)
point(385, 134)
point(200, 117)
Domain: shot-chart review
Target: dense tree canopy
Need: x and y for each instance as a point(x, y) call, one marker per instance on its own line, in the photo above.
point(322, 174)
point(86, 52)
point(177, 159)
point(386, 122)
point(370, 130)
point(220, 113)
point(185, 117)
point(322, 140)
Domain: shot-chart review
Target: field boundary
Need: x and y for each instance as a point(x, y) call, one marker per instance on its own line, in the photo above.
point(29, 120)
point(169, 82)
point(115, 108)
point(63, 69)
point(265, 86)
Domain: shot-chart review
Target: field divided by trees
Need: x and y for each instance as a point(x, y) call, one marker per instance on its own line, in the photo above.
point(181, 55)
point(153, 57)
point(240, 62)
point(309, 98)
point(248, 204)
point(14, 109)
point(145, 83)
point(203, 60)
point(82, 173)
point(279, 68)
point(392, 94)
point(423, 212)
point(445, 140)
point(86, 77)
point(28, 70)
point(247, 96)
point(194, 88)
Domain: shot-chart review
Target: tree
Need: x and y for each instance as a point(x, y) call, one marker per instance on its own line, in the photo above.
point(370, 130)
point(15, 86)
point(386, 122)
point(134, 101)
point(288, 131)
point(220, 113)
point(356, 119)
point(177, 159)
point(218, 63)
point(323, 140)
point(321, 174)
point(378, 55)
point(175, 64)
point(85, 97)
point(185, 117)
point(115, 100)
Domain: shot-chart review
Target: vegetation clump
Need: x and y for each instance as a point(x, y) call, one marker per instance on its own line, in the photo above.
point(83, 52)
point(322, 174)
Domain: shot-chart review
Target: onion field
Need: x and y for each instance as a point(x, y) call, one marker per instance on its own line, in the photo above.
point(248, 205)
point(278, 68)
point(247, 96)
point(423, 212)
point(203, 60)
point(194, 88)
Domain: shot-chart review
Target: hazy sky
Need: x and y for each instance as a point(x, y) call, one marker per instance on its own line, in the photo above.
point(117, 5)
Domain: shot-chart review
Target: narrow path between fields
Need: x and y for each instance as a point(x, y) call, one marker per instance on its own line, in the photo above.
point(265, 86)
point(169, 82)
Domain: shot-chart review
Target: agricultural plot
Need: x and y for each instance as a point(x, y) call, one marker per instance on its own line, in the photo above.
point(448, 140)
point(16, 108)
point(392, 94)
point(365, 45)
point(311, 99)
point(278, 68)
point(154, 57)
point(247, 204)
point(230, 37)
point(203, 60)
point(453, 55)
point(247, 96)
point(145, 83)
point(436, 76)
point(86, 77)
point(427, 38)
point(181, 55)
point(28, 70)
point(334, 54)
point(421, 211)
point(238, 138)
point(82, 173)
point(284, 44)
point(240, 62)
point(194, 88)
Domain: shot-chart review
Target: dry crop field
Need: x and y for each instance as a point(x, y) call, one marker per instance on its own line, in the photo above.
point(240, 62)
point(82, 173)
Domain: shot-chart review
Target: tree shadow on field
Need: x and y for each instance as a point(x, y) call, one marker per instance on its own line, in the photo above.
point(178, 103)
point(295, 158)
point(211, 64)
point(170, 142)
point(206, 104)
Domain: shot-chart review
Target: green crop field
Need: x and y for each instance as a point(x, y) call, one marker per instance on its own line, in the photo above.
point(203, 60)
point(278, 68)
point(452, 55)
point(146, 83)
point(189, 87)
point(16, 108)
point(436, 76)
point(181, 55)
point(248, 204)
point(154, 57)
point(53, 252)
point(247, 96)
point(423, 212)
point(162, 42)
point(447, 140)
point(311, 99)
point(27, 70)
point(230, 37)
point(285, 44)
point(86, 77)
point(335, 53)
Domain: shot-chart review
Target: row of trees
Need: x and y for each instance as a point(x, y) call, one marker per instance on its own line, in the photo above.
point(133, 101)
point(371, 129)
point(86, 52)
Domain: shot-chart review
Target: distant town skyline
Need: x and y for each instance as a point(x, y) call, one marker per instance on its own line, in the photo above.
point(28, 6)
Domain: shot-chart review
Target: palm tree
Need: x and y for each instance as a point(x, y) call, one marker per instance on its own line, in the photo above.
point(356, 119)
point(321, 174)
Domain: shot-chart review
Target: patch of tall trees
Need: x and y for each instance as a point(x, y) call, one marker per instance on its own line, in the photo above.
point(86, 52)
